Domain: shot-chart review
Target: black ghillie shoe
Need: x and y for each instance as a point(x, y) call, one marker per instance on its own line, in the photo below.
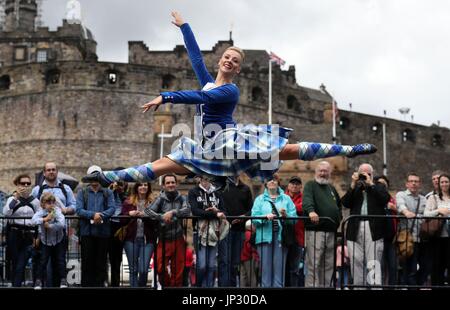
point(96, 176)
point(362, 149)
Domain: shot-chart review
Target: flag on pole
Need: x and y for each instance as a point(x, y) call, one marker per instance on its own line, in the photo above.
point(275, 58)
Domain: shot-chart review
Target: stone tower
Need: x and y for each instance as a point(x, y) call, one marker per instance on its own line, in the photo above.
point(20, 15)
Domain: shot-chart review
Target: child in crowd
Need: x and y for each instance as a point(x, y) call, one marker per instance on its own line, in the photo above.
point(51, 232)
point(249, 259)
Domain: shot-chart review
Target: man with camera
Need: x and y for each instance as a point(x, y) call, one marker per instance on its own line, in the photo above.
point(364, 234)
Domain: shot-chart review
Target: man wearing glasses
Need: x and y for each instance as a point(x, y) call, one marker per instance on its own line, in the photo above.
point(365, 236)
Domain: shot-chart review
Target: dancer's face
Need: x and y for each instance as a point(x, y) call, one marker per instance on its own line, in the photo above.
point(230, 62)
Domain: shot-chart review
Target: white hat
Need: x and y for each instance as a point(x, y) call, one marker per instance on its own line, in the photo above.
point(93, 168)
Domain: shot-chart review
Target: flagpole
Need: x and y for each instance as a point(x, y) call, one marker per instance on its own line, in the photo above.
point(333, 104)
point(384, 145)
point(269, 112)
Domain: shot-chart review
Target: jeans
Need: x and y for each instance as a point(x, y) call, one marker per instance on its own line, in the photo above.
point(138, 254)
point(294, 273)
point(206, 265)
point(20, 243)
point(273, 263)
point(229, 258)
point(57, 254)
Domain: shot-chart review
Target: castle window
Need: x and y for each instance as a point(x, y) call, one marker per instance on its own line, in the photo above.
point(376, 128)
point(437, 140)
point(112, 77)
point(344, 123)
point(257, 93)
point(408, 135)
point(20, 53)
point(168, 81)
point(5, 82)
point(52, 76)
point(41, 55)
point(292, 103)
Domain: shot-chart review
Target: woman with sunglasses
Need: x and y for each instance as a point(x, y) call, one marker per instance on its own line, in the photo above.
point(21, 233)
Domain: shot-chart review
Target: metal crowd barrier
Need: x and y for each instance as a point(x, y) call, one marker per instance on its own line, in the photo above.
point(411, 256)
point(217, 264)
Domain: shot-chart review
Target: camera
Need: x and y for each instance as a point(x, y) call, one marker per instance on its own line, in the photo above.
point(362, 177)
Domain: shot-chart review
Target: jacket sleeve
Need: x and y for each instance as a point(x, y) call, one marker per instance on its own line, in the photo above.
point(381, 195)
point(81, 208)
point(154, 210)
point(125, 210)
point(219, 95)
point(70, 202)
point(257, 211)
point(401, 203)
point(221, 203)
point(431, 207)
point(59, 222)
point(308, 199)
point(111, 205)
point(9, 206)
point(248, 202)
point(348, 198)
point(196, 209)
point(184, 209)
point(291, 210)
point(195, 55)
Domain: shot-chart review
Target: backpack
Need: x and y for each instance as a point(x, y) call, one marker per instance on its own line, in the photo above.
point(45, 186)
point(24, 202)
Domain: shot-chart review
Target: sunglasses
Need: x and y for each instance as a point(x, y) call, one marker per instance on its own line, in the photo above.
point(25, 183)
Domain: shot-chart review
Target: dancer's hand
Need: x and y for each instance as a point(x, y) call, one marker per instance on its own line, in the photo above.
point(178, 19)
point(154, 103)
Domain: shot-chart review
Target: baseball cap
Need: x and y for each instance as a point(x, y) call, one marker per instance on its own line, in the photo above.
point(295, 179)
point(93, 169)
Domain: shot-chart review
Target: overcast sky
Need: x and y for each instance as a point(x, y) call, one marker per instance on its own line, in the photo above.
point(376, 54)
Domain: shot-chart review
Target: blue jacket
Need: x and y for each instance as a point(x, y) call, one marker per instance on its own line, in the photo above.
point(95, 204)
point(262, 207)
point(215, 106)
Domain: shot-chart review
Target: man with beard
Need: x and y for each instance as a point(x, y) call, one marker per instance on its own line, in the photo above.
point(320, 199)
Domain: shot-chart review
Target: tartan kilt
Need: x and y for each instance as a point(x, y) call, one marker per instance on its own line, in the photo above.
point(247, 149)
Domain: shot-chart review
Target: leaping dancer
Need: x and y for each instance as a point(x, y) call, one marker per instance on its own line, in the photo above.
point(250, 146)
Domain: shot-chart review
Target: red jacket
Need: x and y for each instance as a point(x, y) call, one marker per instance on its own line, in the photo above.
point(300, 225)
point(248, 251)
point(150, 226)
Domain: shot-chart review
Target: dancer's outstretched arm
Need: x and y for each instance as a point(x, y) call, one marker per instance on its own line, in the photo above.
point(193, 50)
point(224, 94)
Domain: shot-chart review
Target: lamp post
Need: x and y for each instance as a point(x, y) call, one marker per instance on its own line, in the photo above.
point(162, 135)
